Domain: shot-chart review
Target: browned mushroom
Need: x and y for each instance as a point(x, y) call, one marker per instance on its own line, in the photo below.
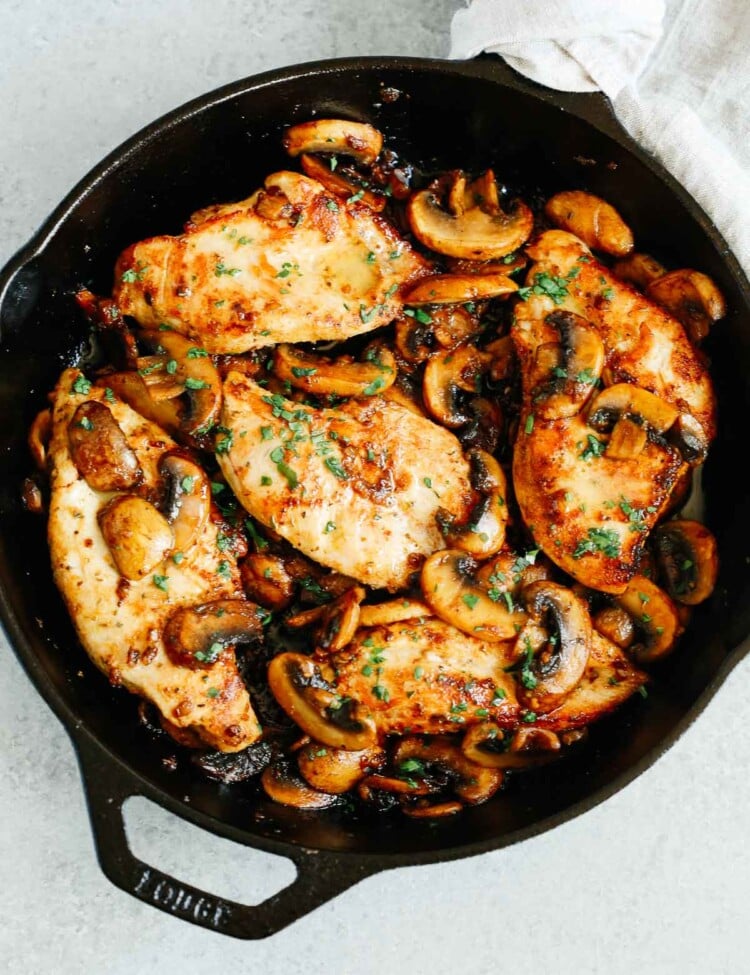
point(550, 673)
point(196, 636)
point(39, 435)
point(100, 449)
point(627, 400)
point(266, 580)
point(446, 375)
point(342, 183)
point(452, 325)
point(452, 591)
point(566, 372)
point(595, 221)
point(281, 783)
point(340, 377)
point(692, 297)
point(688, 560)
point(640, 270)
point(356, 139)
point(192, 368)
point(655, 617)
point(337, 770)
point(454, 289)
point(472, 783)
point(527, 746)
point(616, 625)
point(483, 534)
point(137, 534)
point(475, 233)
point(131, 389)
point(393, 611)
point(299, 688)
point(334, 623)
point(188, 499)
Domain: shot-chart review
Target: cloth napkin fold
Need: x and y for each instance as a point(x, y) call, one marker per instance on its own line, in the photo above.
point(677, 73)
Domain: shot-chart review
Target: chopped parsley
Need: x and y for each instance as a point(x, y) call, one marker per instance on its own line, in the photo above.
point(86, 423)
point(300, 371)
point(223, 570)
point(419, 315)
point(134, 274)
point(330, 527)
point(604, 540)
point(161, 582)
point(221, 269)
point(529, 425)
point(81, 385)
point(196, 353)
point(550, 286)
point(374, 387)
point(334, 466)
point(596, 447)
point(225, 441)
point(636, 516)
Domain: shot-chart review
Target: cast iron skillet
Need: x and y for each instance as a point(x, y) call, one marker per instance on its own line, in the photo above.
point(219, 148)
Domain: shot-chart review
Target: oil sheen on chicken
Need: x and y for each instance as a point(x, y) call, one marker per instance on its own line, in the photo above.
point(355, 488)
point(289, 264)
point(120, 622)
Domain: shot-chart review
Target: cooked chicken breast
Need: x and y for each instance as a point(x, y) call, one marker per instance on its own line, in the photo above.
point(292, 263)
point(608, 681)
point(120, 622)
point(355, 488)
point(644, 344)
point(588, 512)
point(423, 676)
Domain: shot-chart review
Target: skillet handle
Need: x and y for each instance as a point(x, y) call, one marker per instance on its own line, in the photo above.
point(320, 877)
point(593, 107)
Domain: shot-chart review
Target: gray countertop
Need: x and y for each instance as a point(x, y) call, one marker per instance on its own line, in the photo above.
point(655, 880)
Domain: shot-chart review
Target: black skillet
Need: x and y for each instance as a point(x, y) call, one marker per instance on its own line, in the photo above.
point(218, 148)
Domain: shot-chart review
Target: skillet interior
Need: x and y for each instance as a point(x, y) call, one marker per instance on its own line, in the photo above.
point(449, 115)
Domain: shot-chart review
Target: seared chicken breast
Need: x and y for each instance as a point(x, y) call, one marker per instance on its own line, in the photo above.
point(292, 263)
point(355, 488)
point(120, 622)
point(426, 677)
point(643, 343)
point(589, 512)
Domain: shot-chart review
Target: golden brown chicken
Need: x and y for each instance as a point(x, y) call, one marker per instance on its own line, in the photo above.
point(103, 537)
point(355, 488)
point(292, 263)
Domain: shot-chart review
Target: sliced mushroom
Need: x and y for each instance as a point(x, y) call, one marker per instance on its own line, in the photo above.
point(566, 372)
point(452, 325)
point(476, 233)
point(446, 375)
point(196, 636)
point(472, 783)
point(693, 299)
point(412, 403)
point(503, 359)
point(340, 183)
point(232, 767)
point(393, 611)
point(100, 449)
point(39, 436)
point(299, 688)
point(339, 621)
point(690, 438)
point(550, 674)
point(160, 383)
point(266, 580)
point(688, 560)
point(130, 387)
point(627, 399)
point(614, 623)
point(336, 770)
point(627, 440)
point(485, 427)
point(137, 534)
point(454, 289)
point(640, 270)
point(507, 265)
point(595, 221)
point(281, 783)
point(356, 139)
point(340, 377)
point(682, 430)
point(414, 337)
point(452, 591)
point(486, 745)
point(483, 534)
point(188, 500)
point(655, 617)
point(194, 370)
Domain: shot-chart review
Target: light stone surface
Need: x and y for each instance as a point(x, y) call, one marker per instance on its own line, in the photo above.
point(654, 881)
